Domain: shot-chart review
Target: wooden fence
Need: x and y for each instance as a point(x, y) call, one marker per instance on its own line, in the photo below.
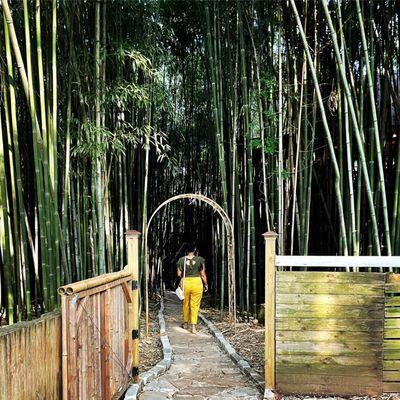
point(100, 332)
point(331, 332)
point(30, 359)
point(391, 344)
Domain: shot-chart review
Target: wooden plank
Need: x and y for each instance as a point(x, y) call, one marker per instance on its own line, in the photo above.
point(72, 352)
point(98, 347)
point(391, 277)
point(391, 344)
point(329, 348)
point(391, 365)
point(392, 323)
point(391, 376)
point(370, 360)
point(389, 387)
point(127, 292)
point(392, 301)
point(392, 312)
point(327, 336)
point(330, 288)
point(384, 262)
point(105, 352)
point(392, 333)
point(374, 311)
point(392, 287)
point(391, 354)
point(90, 338)
point(346, 380)
point(343, 299)
point(270, 298)
point(368, 370)
point(335, 390)
point(330, 277)
point(329, 324)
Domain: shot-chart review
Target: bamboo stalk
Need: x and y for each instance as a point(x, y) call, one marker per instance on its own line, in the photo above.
point(90, 283)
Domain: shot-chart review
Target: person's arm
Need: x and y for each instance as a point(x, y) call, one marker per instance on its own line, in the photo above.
point(204, 277)
point(178, 270)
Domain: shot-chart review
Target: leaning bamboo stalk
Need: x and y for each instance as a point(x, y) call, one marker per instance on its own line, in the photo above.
point(92, 282)
point(326, 127)
point(358, 134)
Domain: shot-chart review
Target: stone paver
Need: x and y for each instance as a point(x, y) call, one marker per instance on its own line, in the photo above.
point(199, 370)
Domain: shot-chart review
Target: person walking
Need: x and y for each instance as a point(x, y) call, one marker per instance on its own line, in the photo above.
point(194, 282)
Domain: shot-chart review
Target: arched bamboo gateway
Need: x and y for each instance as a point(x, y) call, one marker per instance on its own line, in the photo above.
point(230, 238)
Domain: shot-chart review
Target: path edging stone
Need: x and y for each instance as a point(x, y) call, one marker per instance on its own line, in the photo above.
point(161, 367)
point(238, 360)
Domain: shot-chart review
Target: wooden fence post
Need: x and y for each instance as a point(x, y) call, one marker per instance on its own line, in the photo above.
point(270, 281)
point(132, 244)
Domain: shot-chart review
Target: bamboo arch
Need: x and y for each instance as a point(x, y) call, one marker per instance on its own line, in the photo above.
point(230, 238)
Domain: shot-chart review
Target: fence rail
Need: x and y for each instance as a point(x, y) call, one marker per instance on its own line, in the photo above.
point(384, 262)
point(30, 359)
point(331, 332)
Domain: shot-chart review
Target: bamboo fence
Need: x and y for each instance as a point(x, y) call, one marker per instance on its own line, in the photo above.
point(30, 359)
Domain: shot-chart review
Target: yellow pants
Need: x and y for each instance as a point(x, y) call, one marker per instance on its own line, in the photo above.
point(193, 288)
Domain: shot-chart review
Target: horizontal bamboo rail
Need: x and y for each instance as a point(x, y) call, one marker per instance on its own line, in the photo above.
point(90, 283)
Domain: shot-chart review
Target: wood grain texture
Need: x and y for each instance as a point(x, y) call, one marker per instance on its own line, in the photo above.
point(30, 359)
point(96, 327)
point(329, 332)
point(391, 344)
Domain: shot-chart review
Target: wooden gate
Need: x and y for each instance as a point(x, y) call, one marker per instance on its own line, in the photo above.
point(100, 336)
point(96, 345)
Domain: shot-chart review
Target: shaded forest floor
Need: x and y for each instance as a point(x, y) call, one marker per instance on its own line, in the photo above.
point(150, 349)
point(248, 340)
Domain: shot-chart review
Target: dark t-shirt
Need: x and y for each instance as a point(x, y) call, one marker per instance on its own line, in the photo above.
point(193, 265)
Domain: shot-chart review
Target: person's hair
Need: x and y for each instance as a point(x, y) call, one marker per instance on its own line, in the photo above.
point(190, 247)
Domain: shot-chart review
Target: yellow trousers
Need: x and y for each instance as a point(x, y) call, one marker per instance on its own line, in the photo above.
point(193, 288)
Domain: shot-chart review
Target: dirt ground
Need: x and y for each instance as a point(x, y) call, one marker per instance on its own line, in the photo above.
point(248, 340)
point(150, 349)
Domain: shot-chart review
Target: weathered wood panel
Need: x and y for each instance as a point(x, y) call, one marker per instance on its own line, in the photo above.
point(97, 356)
point(329, 332)
point(391, 345)
point(30, 359)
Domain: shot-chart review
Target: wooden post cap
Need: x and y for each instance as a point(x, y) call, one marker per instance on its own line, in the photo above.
point(132, 234)
point(270, 235)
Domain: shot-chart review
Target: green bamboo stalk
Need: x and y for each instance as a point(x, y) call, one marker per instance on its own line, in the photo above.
point(349, 160)
point(356, 129)
point(326, 129)
point(49, 296)
point(6, 240)
point(21, 245)
point(99, 161)
point(53, 155)
point(376, 129)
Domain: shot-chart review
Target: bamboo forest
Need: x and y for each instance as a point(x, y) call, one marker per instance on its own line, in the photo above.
point(284, 113)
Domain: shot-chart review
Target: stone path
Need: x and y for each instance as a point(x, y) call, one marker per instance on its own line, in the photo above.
point(199, 370)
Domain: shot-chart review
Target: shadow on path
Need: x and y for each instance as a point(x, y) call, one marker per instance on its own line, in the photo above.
point(199, 370)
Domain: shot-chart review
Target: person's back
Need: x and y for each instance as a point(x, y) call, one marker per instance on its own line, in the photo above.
point(192, 269)
point(194, 265)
